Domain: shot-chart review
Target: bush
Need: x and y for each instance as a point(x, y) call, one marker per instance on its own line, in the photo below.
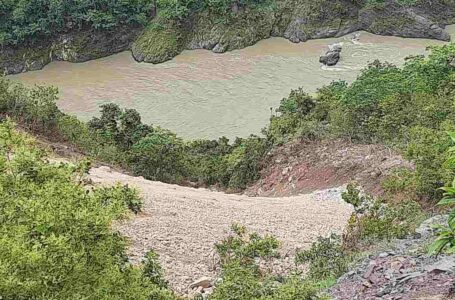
point(446, 235)
point(56, 236)
point(152, 269)
point(382, 222)
point(242, 277)
point(244, 247)
point(327, 258)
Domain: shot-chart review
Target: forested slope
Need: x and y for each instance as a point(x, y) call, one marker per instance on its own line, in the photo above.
point(33, 33)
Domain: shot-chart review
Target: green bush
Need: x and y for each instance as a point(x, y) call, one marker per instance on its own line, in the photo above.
point(446, 235)
point(30, 21)
point(56, 238)
point(242, 279)
point(381, 221)
point(152, 269)
point(327, 258)
point(244, 247)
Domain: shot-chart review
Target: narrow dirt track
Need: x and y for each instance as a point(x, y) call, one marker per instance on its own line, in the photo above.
point(182, 224)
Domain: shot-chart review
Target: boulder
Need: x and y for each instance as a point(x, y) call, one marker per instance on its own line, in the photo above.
point(332, 56)
point(204, 282)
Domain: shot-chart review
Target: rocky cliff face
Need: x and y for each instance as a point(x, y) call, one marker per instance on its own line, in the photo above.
point(73, 47)
point(296, 20)
point(299, 21)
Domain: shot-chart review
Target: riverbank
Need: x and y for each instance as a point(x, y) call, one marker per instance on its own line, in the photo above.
point(297, 21)
point(201, 94)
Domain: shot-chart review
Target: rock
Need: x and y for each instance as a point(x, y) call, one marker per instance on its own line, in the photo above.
point(105, 169)
point(220, 48)
point(408, 276)
point(370, 269)
point(204, 282)
point(337, 47)
point(330, 59)
point(332, 56)
point(384, 291)
point(426, 230)
point(443, 266)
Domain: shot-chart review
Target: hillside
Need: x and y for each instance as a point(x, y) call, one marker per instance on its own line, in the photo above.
point(33, 34)
point(383, 145)
point(183, 224)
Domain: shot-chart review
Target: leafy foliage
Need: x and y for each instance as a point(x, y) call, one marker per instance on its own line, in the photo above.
point(30, 21)
point(446, 234)
point(56, 237)
point(375, 220)
point(243, 279)
point(327, 258)
point(244, 247)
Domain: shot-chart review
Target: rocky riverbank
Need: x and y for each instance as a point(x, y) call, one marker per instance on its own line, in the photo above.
point(74, 47)
point(297, 21)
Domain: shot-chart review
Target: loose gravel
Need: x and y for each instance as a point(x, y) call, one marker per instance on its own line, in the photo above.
point(182, 224)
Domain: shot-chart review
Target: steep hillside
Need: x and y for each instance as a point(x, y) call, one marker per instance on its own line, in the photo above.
point(220, 26)
point(183, 224)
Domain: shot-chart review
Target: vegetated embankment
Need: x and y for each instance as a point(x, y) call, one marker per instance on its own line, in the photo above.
point(236, 28)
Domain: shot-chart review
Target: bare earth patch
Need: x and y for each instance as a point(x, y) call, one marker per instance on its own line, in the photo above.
point(304, 166)
point(182, 224)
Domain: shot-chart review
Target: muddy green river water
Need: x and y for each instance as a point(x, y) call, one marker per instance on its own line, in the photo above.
point(200, 94)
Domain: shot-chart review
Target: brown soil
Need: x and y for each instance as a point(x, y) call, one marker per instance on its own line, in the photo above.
point(304, 166)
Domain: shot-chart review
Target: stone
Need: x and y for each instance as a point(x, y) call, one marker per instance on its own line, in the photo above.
point(331, 58)
point(444, 266)
point(370, 270)
point(426, 229)
point(204, 282)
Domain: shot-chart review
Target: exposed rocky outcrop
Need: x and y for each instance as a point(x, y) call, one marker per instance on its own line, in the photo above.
point(300, 21)
point(402, 271)
point(73, 47)
point(296, 20)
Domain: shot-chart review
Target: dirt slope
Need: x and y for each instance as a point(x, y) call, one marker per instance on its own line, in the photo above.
point(182, 224)
point(303, 166)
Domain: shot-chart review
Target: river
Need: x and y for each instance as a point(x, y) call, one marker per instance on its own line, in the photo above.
point(200, 94)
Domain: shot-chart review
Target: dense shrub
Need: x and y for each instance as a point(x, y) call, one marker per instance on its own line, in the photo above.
point(446, 235)
point(327, 258)
point(243, 279)
point(375, 220)
point(29, 20)
point(56, 236)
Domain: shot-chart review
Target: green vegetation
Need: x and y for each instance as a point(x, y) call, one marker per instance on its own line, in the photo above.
point(29, 21)
point(408, 108)
point(242, 278)
point(446, 235)
point(378, 220)
point(55, 233)
point(372, 222)
point(327, 257)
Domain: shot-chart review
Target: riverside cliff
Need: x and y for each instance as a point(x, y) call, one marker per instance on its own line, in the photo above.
point(295, 20)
